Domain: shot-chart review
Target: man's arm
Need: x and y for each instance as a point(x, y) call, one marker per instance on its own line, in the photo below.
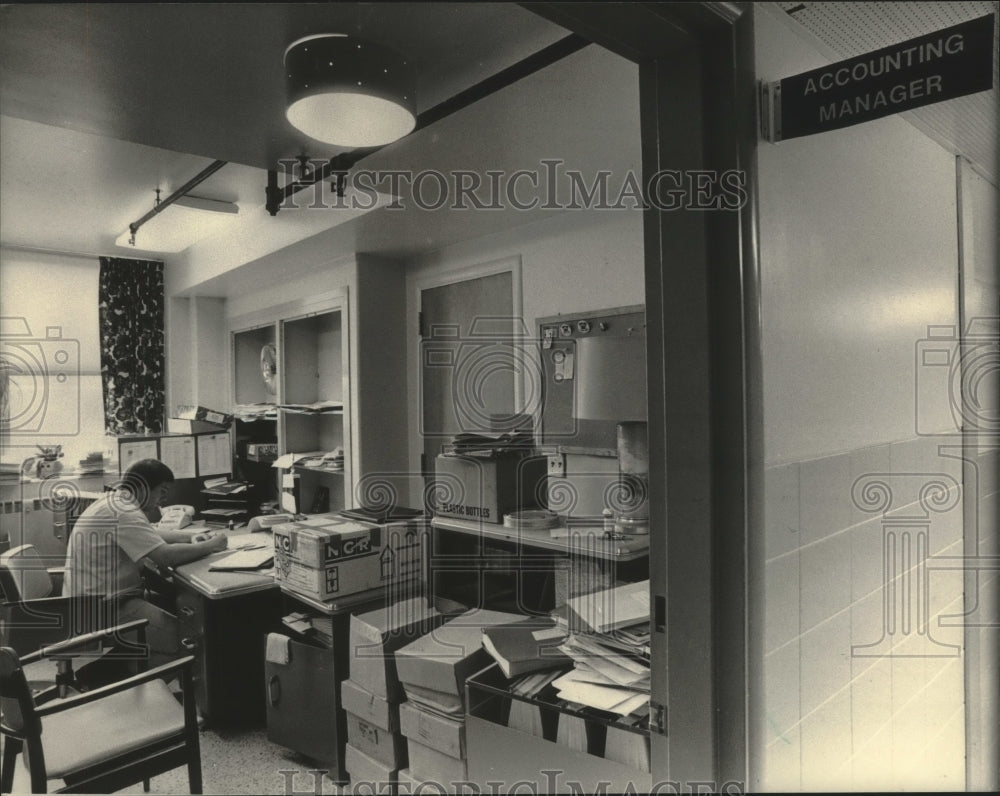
point(173, 555)
point(182, 536)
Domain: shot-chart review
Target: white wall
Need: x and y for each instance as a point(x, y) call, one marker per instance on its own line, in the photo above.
point(570, 263)
point(858, 256)
point(858, 249)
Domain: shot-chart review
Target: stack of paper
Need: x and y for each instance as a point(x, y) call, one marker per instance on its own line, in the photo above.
point(250, 412)
point(526, 646)
point(610, 609)
point(602, 678)
point(315, 407)
point(223, 486)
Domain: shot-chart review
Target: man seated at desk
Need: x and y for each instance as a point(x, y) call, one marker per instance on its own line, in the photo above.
point(111, 538)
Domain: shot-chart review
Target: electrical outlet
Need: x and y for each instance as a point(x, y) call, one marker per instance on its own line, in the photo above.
point(557, 465)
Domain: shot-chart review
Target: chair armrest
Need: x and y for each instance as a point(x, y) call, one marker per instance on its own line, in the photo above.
point(84, 643)
point(28, 625)
point(179, 666)
point(58, 577)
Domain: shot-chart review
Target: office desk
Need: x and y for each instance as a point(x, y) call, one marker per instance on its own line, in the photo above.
point(535, 569)
point(224, 619)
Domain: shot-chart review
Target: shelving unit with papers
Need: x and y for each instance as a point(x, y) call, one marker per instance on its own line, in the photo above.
point(255, 408)
point(313, 381)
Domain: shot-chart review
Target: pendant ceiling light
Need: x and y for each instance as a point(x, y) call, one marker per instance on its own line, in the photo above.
point(349, 92)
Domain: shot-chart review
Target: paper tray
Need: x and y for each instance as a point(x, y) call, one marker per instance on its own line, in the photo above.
point(488, 696)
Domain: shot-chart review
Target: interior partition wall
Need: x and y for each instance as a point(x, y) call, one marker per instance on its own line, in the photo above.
point(697, 117)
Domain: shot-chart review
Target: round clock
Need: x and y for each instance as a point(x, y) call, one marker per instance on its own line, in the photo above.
point(269, 368)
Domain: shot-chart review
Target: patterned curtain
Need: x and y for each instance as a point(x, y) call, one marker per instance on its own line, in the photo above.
point(131, 316)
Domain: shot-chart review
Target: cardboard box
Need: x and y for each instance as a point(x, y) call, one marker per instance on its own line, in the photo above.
point(378, 743)
point(434, 766)
point(180, 425)
point(331, 557)
point(203, 413)
point(409, 784)
point(485, 488)
point(326, 539)
point(368, 775)
point(369, 707)
point(375, 637)
point(440, 661)
point(430, 729)
point(262, 451)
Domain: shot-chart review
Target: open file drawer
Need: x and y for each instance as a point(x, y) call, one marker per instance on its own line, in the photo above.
point(519, 754)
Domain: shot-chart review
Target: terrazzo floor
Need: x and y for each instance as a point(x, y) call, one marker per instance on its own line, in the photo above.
point(234, 761)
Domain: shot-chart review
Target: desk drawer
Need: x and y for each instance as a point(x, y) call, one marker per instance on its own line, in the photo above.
point(190, 612)
point(191, 629)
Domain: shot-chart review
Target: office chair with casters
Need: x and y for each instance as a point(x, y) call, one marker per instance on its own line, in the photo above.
point(102, 740)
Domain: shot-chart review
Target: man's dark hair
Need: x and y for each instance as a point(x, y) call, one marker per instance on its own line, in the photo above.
point(145, 475)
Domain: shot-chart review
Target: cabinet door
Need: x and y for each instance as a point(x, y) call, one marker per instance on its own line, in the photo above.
point(303, 704)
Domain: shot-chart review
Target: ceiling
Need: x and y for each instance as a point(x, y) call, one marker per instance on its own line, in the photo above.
point(103, 103)
point(100, 104)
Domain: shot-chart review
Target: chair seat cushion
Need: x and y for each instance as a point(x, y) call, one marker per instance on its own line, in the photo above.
point(96, 731)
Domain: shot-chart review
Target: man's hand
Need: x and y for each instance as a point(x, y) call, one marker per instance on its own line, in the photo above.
point(220, 542)
point(214, 541)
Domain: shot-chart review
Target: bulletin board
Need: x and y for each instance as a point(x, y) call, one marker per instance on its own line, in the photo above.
point(187, 455)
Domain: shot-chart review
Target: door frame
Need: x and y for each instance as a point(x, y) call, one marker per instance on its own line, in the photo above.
point(705, 432)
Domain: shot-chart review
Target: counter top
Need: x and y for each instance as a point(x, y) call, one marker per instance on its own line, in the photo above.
point(589, 542)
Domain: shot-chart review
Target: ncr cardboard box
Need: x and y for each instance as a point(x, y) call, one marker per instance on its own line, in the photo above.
point(375, 637)
point(431, 729)
point(327, 557)
point(440, 661)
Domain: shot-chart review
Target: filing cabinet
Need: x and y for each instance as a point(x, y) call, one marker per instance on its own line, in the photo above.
point(226, 635)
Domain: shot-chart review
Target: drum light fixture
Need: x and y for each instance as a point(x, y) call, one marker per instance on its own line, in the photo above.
point(349, 92)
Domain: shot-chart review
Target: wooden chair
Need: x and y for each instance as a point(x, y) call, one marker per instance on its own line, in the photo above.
point(102, 740)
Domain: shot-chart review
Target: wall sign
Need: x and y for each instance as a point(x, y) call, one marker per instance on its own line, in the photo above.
point(938, 66)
